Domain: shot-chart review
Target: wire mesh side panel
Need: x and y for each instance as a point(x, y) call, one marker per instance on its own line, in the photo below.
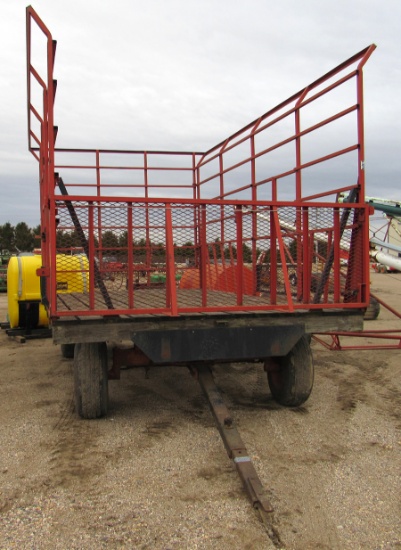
point(133, 257)
point(324, 253)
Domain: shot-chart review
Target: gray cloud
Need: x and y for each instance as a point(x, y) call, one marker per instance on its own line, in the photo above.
point(185, 75)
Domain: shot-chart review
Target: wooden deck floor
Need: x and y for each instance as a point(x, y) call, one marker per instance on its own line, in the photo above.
point(156, 299)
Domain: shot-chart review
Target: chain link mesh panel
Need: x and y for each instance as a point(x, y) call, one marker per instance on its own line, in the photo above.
point(223, 256)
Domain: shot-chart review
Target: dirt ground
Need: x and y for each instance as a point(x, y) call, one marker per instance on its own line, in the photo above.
point(154, 474)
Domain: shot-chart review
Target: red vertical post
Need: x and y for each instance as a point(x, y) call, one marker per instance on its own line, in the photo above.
point(240, 259)
point(51, 246)
point(195, 185)
point(98, 178)
point(362, 240)
point(254, 215)
point(196, 218)
point(147, 217)
point(365, 281)
point(301, 258)
point(171, 290)
point(99, 208)
point(221, 191)
point(91, 258)
point(49, 96)
point(330, 246)
point(313, 258)
point(337, 257)
point(130, 255)
point(195, 212)
point(273, 248)
point(203, 255)
point(307, 260)
point(361, 268)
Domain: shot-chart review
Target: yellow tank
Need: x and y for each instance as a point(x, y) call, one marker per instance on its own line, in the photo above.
point(23, 286)
point(23, 293)
point(72, 273)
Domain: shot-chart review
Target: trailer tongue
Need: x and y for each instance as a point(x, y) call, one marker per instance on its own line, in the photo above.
point(236, 449)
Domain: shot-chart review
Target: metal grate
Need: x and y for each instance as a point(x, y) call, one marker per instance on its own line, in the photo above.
point(159, 257)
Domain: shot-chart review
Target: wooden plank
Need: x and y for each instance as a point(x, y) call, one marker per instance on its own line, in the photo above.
point(66, 331)
point(153, 298)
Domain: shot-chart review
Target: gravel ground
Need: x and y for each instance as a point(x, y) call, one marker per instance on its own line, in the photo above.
point(154, 474)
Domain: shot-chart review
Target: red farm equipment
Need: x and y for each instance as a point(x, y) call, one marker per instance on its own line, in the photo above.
point(231, 254)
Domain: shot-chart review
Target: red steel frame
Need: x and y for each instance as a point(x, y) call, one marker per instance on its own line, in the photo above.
point(390, 338)
point(253, 200)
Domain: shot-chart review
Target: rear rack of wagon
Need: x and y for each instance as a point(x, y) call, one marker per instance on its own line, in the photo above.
point(237, 253)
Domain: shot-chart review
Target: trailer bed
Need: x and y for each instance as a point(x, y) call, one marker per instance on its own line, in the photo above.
point(96, 328)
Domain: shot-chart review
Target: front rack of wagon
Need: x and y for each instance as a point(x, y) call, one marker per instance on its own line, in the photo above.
point(153, 256)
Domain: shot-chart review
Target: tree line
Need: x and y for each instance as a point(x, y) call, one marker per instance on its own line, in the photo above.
point(113, 244)
point(22, 238)
point(19, 237)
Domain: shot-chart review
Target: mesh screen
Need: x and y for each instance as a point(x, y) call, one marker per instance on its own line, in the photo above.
point(152, 257)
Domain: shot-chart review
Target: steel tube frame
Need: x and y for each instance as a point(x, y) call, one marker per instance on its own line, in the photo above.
point(43, 148)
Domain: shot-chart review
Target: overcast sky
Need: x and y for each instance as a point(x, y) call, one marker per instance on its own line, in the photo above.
point(185, 74)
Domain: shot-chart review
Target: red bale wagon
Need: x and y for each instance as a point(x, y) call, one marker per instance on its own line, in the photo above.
point(237, 253)
point(234, 254)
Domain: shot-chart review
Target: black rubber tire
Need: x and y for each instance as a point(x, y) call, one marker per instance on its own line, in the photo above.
point(91, 380)
point(67, 350)
point(372, 311)
point(291, 382)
